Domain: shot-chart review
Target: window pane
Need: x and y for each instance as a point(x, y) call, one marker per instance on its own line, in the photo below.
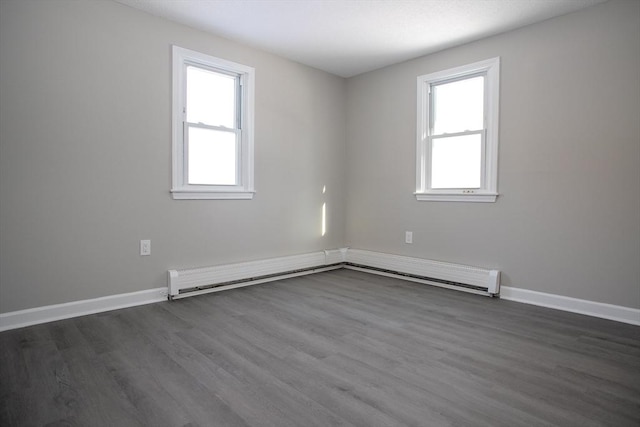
point(212, 157)
point(456, 162)
point(211, 97)
point(458, 106)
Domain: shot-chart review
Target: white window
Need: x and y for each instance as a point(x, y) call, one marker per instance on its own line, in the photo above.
point(212, 127)
point(457, 143)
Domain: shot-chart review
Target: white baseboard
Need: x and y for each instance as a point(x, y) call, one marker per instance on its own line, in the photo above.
point(332, 259)
point(50, 313)
point(574, 305)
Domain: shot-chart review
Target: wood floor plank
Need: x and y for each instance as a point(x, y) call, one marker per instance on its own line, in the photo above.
point(300, 371)
point(13, 372)
point(179, 394)
point(340, 348)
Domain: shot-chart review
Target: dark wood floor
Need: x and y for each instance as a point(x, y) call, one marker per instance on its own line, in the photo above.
point(336, 348)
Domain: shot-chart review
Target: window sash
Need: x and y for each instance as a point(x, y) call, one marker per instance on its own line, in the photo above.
point(431, 98)
point(429, 150)
point(238, 154)
point(237, 130)
point(237, 83)
point(428, 166)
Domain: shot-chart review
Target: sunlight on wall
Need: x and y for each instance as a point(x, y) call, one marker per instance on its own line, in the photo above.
point(324, 212)
point(324, 219)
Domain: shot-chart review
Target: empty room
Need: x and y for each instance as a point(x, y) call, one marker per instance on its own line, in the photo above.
point(320, 213)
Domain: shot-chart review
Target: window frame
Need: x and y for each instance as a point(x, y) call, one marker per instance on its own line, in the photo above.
point(488, 191)
point(180, 187)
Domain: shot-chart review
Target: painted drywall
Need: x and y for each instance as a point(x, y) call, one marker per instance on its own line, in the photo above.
point(85, 158)
point(85, 111)
point(567, 221)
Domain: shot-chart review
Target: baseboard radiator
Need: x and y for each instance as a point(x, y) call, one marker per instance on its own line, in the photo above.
point(195, 281)
point(447, 275)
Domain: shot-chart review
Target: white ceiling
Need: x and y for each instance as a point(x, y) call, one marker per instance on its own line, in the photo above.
point(349, 37)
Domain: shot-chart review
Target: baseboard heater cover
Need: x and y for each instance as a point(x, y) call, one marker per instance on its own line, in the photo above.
point(448, 275)
point(194, 281)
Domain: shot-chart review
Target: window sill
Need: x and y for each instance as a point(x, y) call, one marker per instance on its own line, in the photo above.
point(211, 195)
point(457, 197)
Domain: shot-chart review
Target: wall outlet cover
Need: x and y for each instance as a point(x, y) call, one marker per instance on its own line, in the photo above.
point(145, 247)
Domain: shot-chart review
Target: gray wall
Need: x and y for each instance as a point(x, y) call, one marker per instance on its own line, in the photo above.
point(85, 158)
point(568, 218)
point(85, 98)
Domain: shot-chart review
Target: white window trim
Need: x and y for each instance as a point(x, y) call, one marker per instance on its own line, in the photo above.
point(180, 189)
point(489, 191)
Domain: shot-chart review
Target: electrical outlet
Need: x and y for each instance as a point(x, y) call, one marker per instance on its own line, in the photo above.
point(408, 237)
point(145, 247)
